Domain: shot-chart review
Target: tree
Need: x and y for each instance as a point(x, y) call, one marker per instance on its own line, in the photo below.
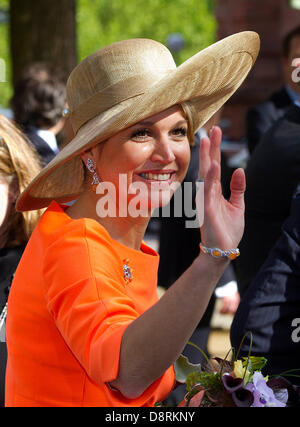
point(42, 31)
point(101, 22)
point(52, 29)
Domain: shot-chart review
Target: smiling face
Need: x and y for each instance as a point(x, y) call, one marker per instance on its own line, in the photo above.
point(152, 155)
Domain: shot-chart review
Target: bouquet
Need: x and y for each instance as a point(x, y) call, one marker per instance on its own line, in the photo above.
point(234, 383)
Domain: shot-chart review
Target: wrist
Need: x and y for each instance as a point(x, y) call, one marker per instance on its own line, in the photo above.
point(213, 267)
point(218, 253)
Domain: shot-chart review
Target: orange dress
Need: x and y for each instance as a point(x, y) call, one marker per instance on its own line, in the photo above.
point(68, 308)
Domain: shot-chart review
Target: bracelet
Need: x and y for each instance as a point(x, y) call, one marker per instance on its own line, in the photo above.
point(218, 253)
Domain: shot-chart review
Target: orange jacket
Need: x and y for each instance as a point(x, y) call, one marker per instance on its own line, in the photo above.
point(68, 308)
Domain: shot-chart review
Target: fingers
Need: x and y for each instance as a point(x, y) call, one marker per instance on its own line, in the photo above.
point(214, 174)
point(238, 188)
point(215, 139)
point(230, 304)
point(204, 158)
point(209, 151)
point(211, 190)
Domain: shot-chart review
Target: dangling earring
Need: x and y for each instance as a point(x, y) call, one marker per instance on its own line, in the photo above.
point(91, 167)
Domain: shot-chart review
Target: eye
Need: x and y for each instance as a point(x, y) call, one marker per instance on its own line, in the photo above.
point(180, 132)
point(141, 134)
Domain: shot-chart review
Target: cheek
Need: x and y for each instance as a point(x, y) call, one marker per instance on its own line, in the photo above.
point(118, 163)
point(136, 157)
point(129, 157)
point(132, 159)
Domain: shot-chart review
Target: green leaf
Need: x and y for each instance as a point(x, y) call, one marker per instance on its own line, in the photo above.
point(254, 363)
point(183, 368)
point(193, 379)
point(209, 381)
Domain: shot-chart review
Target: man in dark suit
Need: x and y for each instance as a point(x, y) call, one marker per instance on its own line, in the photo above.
point(271, 306)
point(261, 117)
point(272, 175)
point(38, 103)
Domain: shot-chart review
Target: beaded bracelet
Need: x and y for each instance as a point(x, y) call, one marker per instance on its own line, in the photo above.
point(218, 253)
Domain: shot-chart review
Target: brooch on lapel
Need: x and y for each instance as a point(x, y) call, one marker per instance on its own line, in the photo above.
point(127, 271)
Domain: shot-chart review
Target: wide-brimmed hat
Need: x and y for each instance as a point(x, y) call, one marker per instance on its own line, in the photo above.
point(125, 82)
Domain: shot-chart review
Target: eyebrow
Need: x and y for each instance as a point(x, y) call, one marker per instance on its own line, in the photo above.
point(149, 123)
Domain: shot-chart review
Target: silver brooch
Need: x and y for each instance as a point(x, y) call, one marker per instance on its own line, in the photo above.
point(127, 271)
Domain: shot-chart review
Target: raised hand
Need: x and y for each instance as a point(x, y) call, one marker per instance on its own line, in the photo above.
point(223, 225)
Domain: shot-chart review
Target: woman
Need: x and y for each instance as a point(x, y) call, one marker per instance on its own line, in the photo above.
point(18, 166)
point(106, 338)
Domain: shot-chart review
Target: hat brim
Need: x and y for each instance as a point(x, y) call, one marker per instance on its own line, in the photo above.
point(205, 81)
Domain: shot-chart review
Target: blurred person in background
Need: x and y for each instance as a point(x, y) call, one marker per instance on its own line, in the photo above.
point(261, 117)
point(270, 308)
point(18, 165)
point(272, 173)
point(38, 104)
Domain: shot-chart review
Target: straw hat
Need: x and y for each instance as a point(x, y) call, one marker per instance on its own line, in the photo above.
point(127, 81)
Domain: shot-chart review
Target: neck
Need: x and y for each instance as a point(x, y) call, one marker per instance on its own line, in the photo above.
point(56, 128)
point(127, 230)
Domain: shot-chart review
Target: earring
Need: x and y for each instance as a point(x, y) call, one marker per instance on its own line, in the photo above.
point(91, 167)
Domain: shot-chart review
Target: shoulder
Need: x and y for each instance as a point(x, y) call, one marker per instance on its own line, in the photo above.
point(274, 107)
point(81, 256)
point(264, 111)
point(41, 146)
point(281, 98)
point(83, 236)
point(71, 244)
point(285, 133)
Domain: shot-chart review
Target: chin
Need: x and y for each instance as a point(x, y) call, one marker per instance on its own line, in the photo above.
point(161, 200)
point(143, 205)
point(146, 198)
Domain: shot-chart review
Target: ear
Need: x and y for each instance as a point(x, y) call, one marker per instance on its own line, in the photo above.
point(92, 153)
point(13, 191)
point(85, 155)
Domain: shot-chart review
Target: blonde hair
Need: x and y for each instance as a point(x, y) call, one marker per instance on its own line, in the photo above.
point(19, 164)
point(188, 115)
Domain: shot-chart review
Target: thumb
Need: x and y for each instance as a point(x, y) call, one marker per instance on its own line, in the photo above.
point(237, 188)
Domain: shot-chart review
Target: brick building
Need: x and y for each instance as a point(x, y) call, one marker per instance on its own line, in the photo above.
point(271, 19)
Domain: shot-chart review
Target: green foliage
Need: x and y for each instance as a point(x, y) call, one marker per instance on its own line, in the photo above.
point(207, 380)
point(5, 86)
point(101, 22)
point(254, 363)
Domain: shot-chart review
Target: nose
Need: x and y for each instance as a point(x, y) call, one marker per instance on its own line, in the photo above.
point(163, 151)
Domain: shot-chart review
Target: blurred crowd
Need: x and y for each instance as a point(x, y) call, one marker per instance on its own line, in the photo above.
point(261, 287)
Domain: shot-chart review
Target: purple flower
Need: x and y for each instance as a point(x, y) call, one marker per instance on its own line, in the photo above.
point(234, 386)
point(243, 397)
point(231, 383)
point(262, 394)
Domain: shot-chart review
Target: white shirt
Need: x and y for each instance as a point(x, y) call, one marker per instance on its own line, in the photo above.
point(49, 138)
